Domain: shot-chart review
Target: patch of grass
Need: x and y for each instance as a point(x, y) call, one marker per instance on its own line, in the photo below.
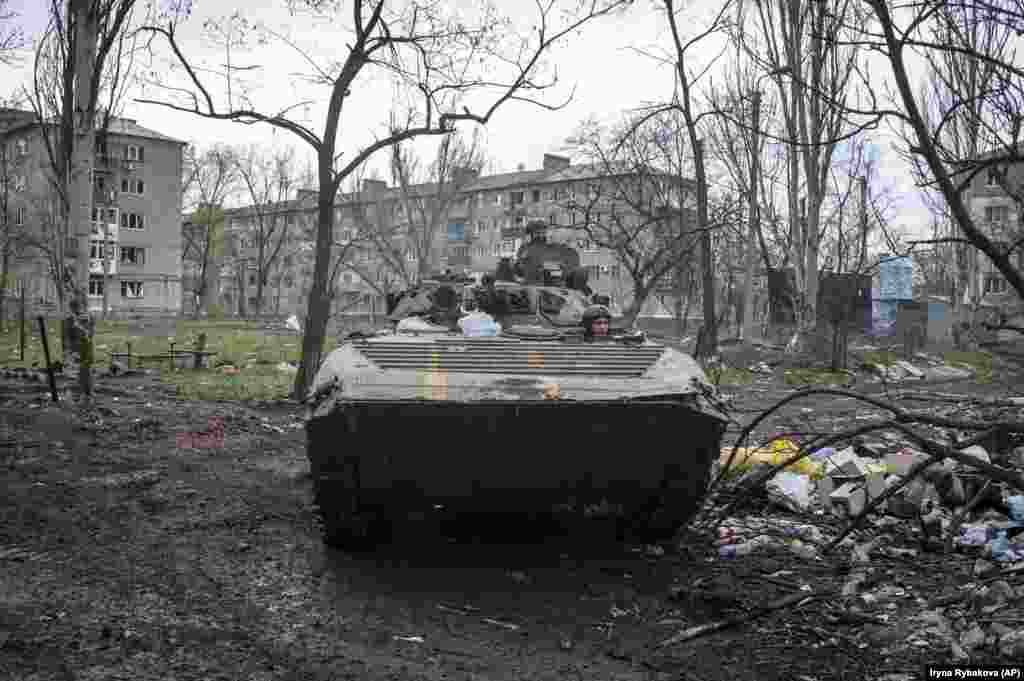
point(729, 376)
point(884, 357)
point(243, 344)
point(977, 361)
point(811, 376)
point(258, 382)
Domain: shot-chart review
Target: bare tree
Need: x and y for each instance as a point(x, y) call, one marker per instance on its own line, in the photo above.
point(444, 66)
point(970, 121)
point(798, 44)
point(82, 66)
point(211, 179)
point(270, 184)
point(12, 37)
point(637, 200)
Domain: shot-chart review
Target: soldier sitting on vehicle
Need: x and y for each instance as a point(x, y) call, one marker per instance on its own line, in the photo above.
point(597, 321)
point(505, 271)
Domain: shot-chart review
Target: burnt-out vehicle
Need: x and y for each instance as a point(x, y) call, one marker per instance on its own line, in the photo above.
point(532, 420)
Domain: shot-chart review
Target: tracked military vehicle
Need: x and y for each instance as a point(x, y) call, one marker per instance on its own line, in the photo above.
point(531, 420)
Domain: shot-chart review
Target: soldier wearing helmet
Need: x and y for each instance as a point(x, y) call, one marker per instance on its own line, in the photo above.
point(596, 322)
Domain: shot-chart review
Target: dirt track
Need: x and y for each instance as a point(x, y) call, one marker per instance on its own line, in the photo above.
point(127, 554)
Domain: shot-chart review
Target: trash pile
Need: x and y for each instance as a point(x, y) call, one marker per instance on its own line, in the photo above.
point(925, 367)
point(945, 498)
point(740, 537)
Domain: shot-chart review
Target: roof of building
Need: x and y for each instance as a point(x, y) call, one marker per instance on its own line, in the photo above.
point(15, 119)
point(498, 181)
point(127, 126)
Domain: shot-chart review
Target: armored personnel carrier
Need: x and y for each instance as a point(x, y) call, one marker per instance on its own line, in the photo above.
point(531, 420)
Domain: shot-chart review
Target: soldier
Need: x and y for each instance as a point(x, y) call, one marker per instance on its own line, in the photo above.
point(505, 271)
point(596, 322)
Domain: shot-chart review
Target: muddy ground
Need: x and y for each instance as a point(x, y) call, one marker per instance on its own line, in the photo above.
point(134, 545)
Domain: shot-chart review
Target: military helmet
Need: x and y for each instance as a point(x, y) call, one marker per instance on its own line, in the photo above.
point(595, 312)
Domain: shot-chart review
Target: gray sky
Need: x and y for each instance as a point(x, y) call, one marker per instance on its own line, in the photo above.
point(609, 75)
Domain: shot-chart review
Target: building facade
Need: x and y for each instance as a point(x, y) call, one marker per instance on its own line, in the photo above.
point(136, 224)
point(483, 221)
point(999, 215)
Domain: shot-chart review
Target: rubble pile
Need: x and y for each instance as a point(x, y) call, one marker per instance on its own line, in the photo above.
point(939, 561)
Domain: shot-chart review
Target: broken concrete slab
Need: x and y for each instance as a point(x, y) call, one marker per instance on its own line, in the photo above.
point(849, 500)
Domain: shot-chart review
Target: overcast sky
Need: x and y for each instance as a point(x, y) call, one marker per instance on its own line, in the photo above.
point(609, 75)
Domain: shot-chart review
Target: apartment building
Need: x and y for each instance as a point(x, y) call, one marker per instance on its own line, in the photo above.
point(136, 224)
point(483, 221)
point(1000, 216)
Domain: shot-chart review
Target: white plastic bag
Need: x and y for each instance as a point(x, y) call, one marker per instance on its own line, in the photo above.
point(479, 324)
point(293, 323)
point(792, 490)
point(418, 325)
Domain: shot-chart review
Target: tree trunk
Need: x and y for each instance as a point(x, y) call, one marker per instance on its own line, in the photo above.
point(315, 330)
point(4, 276)
point(80, 196)
point(710, 336)
point(747, 328)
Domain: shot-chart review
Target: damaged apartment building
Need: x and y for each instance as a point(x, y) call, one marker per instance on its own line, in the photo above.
point(473, 223)
point(136, 229)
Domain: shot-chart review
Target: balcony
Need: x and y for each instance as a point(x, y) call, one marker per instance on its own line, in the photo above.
point(104, 163)
point(105, 230)
point(96, 266)
point(104, 196)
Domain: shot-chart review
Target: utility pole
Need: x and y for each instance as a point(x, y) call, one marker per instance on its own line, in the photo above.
point(747, 330)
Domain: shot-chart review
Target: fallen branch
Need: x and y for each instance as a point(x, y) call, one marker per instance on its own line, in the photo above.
point(936, 453)
point(899, 415)
point(704, 629)
point(958, 399)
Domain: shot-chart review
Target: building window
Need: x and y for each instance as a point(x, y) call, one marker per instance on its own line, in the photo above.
point(19, 216)
point(133, 186)
point(252, 280)
point(615, 271)
point(994, 283)
point(535, 195)
point(479, 228)
point(497, 199)
point(20, 183)
point(134, 152)
point(593, 272)
point(456, 231)
point(997, 215)
point(553, 219)
point(131, 289)
point(95, 285)
point(21, 147)
point(132, 221)
point(992, 177)
point(133, 255)
point(515, 198)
